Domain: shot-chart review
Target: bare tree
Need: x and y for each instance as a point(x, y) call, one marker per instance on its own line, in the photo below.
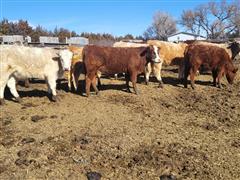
point(215, 19)
point(236, 20)
point(163, 25)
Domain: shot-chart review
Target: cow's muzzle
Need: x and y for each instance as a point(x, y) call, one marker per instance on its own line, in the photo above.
point(156, 60)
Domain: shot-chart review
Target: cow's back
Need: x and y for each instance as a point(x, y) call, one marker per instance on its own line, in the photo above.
point(129, 44)
point(28, 61)
point(210, 55)
point(28, 56)
point(220, 45)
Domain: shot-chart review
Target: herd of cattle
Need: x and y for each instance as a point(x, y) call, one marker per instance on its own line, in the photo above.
point(21, 62)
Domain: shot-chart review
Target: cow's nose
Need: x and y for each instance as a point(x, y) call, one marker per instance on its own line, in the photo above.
point(157, 60)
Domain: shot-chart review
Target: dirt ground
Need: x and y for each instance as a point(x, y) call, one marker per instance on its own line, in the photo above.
point(189, 134)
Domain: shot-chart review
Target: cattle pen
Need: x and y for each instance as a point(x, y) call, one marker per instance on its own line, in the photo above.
point(171, 132)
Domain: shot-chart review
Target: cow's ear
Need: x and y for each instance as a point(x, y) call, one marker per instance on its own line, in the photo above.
point(235, 70)
point(144, 52)
point(56, 58)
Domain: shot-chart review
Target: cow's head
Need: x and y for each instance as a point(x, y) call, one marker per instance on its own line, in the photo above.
point(66, 58)
point(231, 75)
point(235, 48)
point(152, 54)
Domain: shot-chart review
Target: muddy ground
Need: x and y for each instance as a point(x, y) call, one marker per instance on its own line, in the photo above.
point(189, 134)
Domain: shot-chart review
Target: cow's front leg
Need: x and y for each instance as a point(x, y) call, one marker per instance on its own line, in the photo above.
point(214, 74)
point(75, 80)
point(52, 88)
point(219, 76)
point(3, 83)
point(185, 78)
point(157, 73)
point(26, 83)
point(181, 70)
point(12, 86)
point(99, 74)
point(148, 70)
point(69, 80)
point(159, 78)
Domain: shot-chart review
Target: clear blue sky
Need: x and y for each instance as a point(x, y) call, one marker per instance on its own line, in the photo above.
point(117, 17)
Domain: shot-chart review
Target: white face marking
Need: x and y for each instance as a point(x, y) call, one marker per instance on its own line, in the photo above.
point(157, 58)
point(66, 58)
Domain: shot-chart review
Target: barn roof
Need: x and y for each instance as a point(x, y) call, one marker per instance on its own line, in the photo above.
point(191, 34)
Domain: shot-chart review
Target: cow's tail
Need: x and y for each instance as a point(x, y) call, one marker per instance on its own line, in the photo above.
point(186, 67)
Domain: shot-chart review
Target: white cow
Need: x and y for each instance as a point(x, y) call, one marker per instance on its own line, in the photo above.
point(19, 62)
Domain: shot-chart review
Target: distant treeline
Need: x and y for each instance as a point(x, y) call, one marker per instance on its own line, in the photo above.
point(22, 27)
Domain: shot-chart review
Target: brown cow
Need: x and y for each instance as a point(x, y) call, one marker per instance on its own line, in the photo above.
point(216, 58)
point(232, 48)
point(112, 60)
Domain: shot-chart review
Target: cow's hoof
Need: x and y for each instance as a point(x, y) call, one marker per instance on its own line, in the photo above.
point(73, 90)
point(181, 80)
point(18, 99)
point(160, 85)
point(93, 176)
point(26, 84)
point(2, 101)
point(137, 92)
point(219, 86)
point(193, 87)
point(168, 177)
point(147, 83)
point(54, 98)
point(98, 93)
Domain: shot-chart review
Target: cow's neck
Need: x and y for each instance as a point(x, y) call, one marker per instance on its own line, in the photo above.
point(60, 70)
point(234, 54)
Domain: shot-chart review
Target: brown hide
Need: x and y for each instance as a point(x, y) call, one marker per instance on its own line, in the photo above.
point(112, 60)
point(213, 57)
